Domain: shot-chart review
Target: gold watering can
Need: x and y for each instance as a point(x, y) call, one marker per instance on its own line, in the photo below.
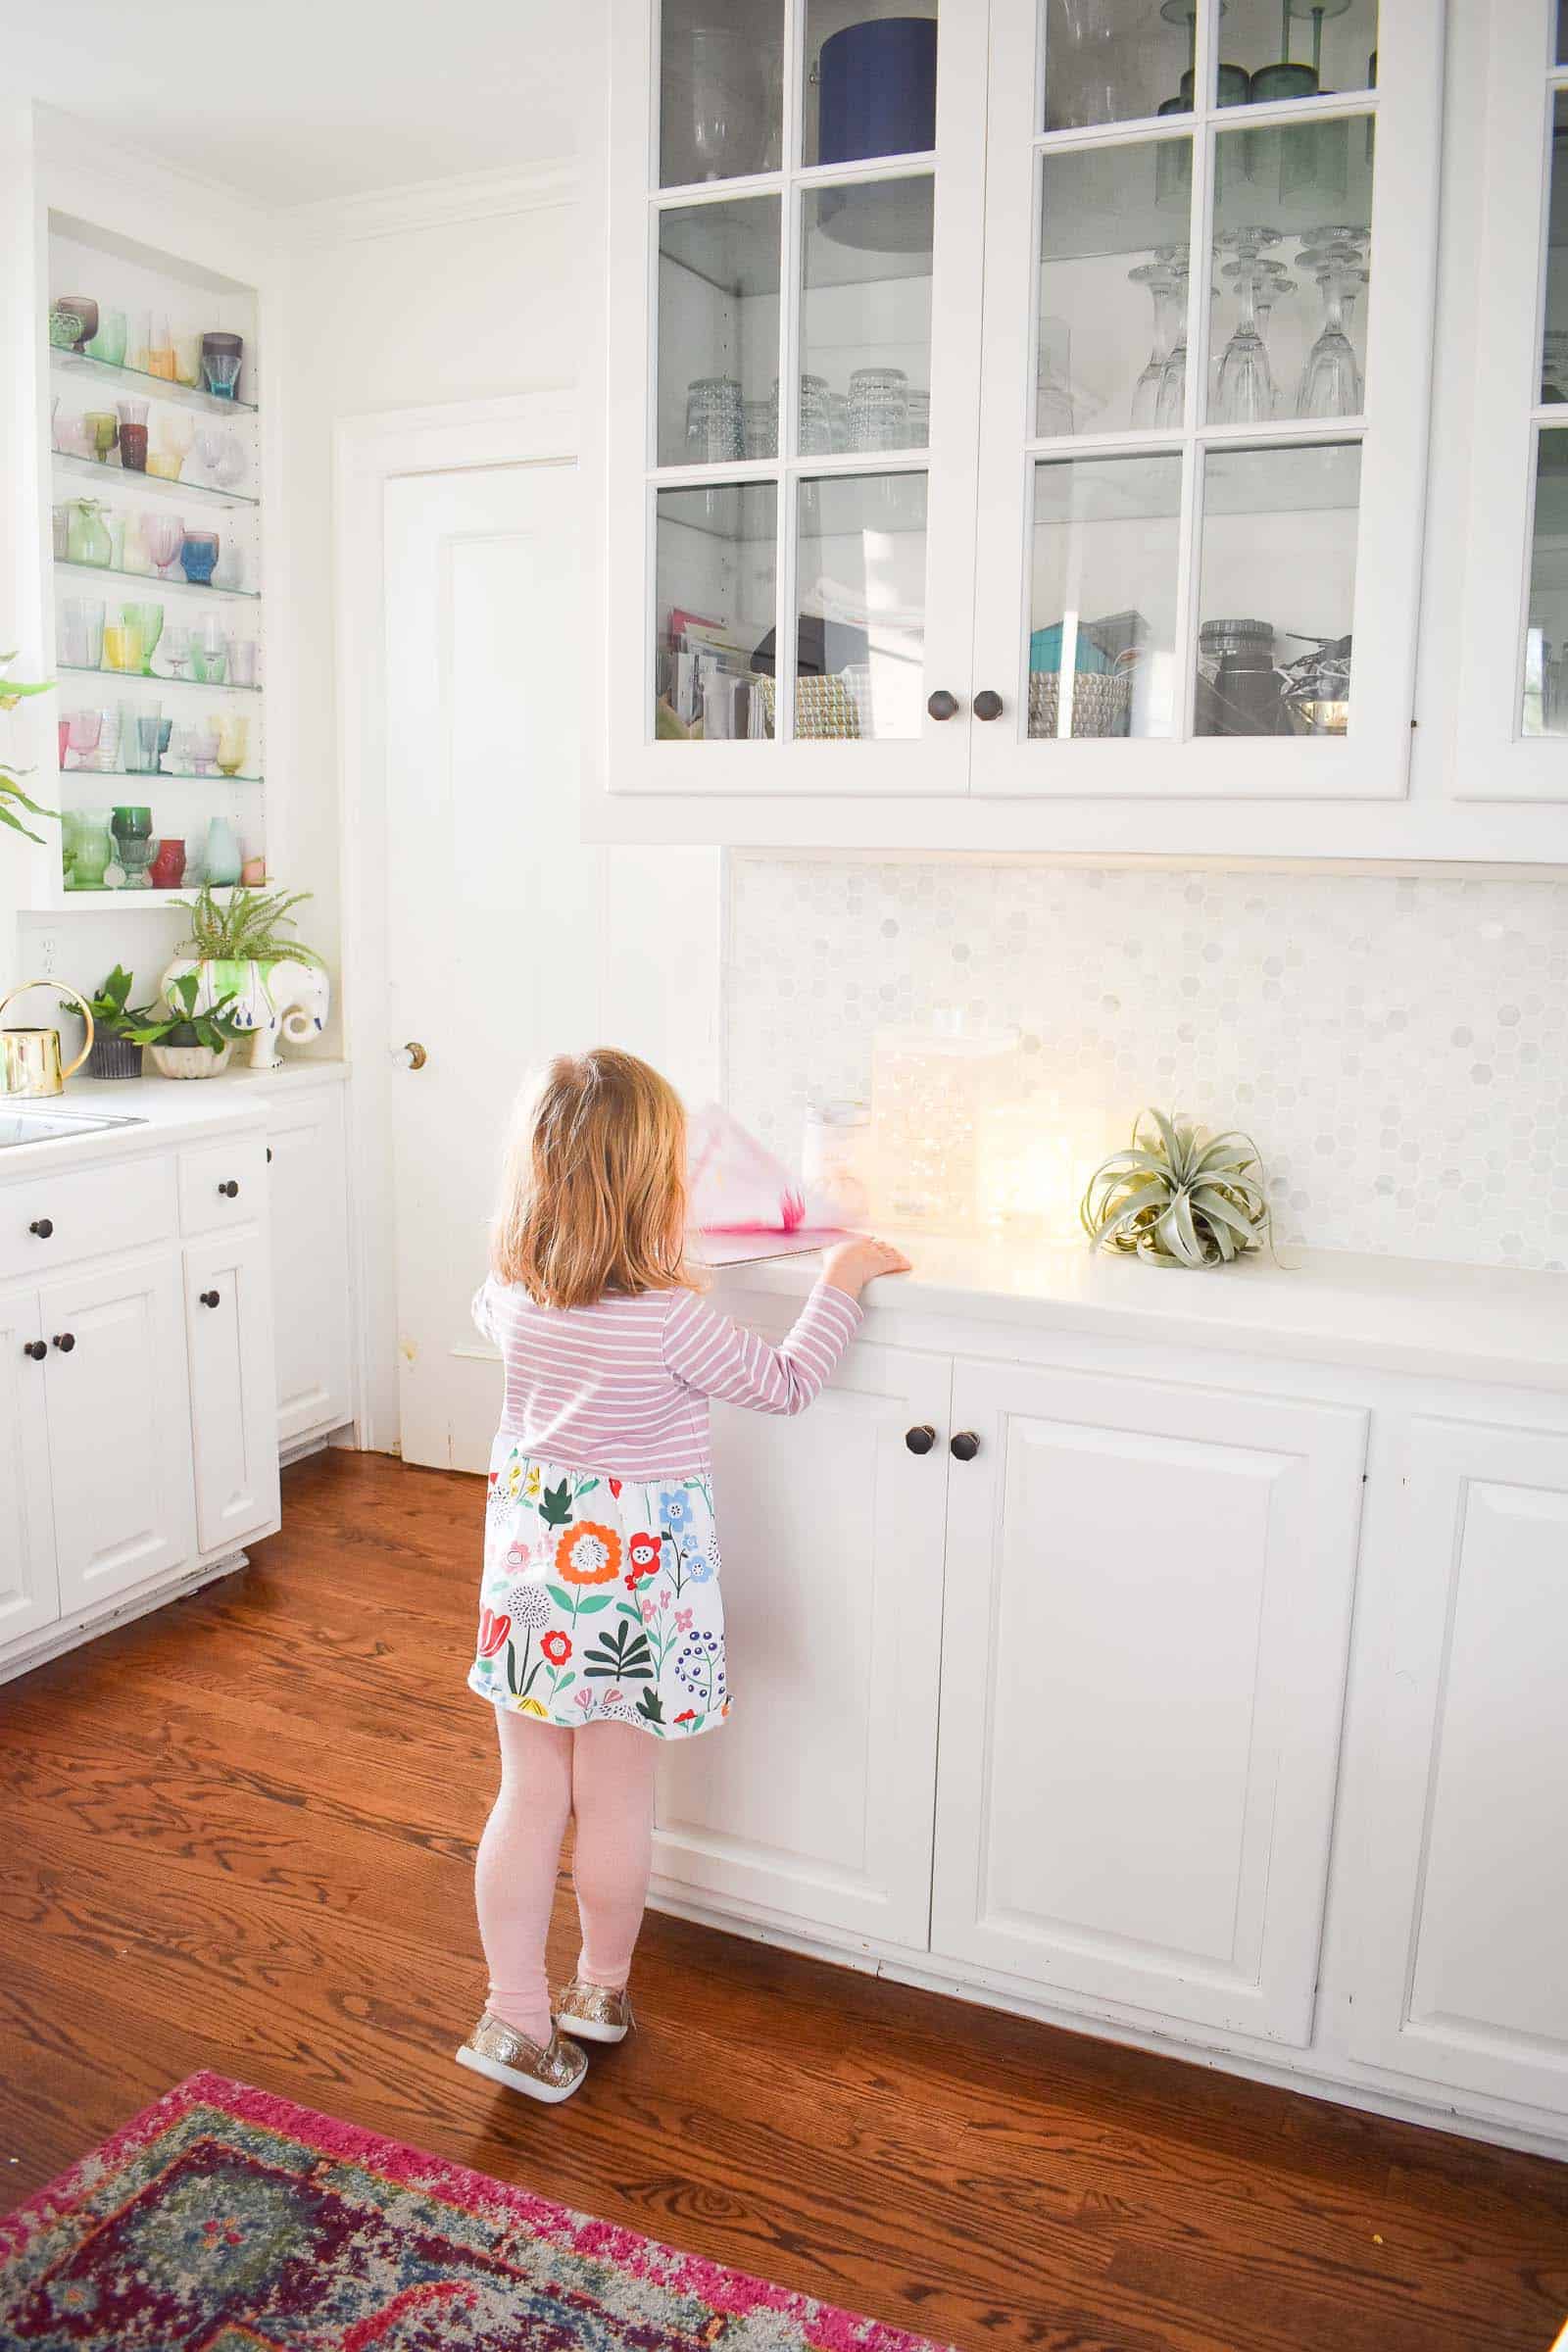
point(29, 1058)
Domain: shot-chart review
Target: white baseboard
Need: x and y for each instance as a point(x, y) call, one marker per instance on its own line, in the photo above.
point(70, 1633)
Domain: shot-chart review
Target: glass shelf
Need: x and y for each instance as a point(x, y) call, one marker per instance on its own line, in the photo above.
point(84, 901)
point(134, 677)
point(74, 775)
point(134, 381)
point(154, 580)
point(155, 483)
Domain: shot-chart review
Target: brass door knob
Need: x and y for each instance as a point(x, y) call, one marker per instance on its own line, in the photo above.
point(411, 1056)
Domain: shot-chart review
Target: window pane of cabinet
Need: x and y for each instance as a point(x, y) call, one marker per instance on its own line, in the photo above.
point(716, 592)
point(720, 89)
point(870, 79)
point(1545, 710)
point(1112, 327)
point(1292, 252)
point(1112, 64)
point(1285, 49)
point(861, 574)
point(1103, 633)
point(865, 317)
point(718, 291)
point(1277, 590)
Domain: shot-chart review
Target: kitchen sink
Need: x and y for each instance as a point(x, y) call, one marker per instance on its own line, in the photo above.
point(48, 1126)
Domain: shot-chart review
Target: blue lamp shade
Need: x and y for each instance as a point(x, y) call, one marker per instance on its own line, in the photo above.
point(877, 90)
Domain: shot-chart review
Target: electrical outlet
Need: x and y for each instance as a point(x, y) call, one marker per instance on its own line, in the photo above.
point(48, 951)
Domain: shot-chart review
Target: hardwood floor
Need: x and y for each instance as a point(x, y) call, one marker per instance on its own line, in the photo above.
point(239, 1834)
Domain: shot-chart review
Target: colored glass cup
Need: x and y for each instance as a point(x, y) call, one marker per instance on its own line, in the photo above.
point(198, 557)
point(167, 870)
point(122, 648)
point(221, 370)
point(149, 620)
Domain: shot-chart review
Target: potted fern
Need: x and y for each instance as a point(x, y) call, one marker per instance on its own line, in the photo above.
point(190, 1041)
point(12, 796)
point(243, 952)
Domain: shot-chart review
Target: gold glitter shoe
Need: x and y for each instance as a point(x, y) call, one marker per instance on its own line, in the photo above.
point(595, 2012)
point(502, 2054)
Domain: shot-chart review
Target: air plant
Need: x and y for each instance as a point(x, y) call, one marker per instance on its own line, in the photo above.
point(12, 796)
point(1178, 1196)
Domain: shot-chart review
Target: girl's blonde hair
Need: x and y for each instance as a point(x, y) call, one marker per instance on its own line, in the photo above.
point(594, 1193)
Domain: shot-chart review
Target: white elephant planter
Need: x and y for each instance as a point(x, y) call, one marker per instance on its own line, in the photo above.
point(287, 999)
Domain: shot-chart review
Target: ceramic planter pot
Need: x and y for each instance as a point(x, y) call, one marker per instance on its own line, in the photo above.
point(114, 1057)
point(189, 1061)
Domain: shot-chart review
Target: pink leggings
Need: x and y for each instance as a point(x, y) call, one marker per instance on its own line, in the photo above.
point(604, 1774)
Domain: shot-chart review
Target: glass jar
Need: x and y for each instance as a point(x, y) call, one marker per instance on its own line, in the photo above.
point(713, 421)
point(835, 1162)
point(879, 408)
point(934, 1091)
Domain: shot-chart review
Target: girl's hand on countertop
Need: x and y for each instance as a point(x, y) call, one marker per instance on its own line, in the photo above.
point(851, 1265)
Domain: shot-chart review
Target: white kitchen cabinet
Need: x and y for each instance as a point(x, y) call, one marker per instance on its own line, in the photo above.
point(119, 1416)
point(307, 1217)
point(974, 617)
point(228, 1319)
point(1513, 700)
point(1461, 1900)
point(1143, 1662)
point(30, 1593)
point(812, 1806)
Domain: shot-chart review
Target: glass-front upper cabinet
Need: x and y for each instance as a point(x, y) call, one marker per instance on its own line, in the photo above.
point(1210, 262)
point(794, 241)
point(1513, 700)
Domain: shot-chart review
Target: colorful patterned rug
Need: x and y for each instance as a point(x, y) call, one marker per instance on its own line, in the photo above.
point(225, 2220)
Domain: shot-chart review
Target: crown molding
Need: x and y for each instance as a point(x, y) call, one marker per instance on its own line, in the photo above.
point(429, 204)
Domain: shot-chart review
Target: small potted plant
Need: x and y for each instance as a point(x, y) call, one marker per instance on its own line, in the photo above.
point(241, 950)
point(115, 1053)
point(186, 1042)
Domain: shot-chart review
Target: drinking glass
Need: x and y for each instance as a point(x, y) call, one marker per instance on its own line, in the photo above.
point(168, 868)
point(713, 426)
point(233, 738)
point(242, 661)
point(207, 669)
point(816, 417)
point(221, 370)
point(165, 468)
point(210, 442)
point(188, 359)
point(198, 555)
point(86, 539)
point(108, 343)
point(176, 647)
point(123, 647)
point(85, 728)
point(161, 348)
point(81, 633)
point(93, 850)
point(141, 740)
point(879, 408)
point(164, 535)
point(102, 427)
point(203, 743)
point(180, 751)
point(758, 428)
point(132, 829)
point(149, 620)
point(1161, 282)
point(106, 759)
point(133, 553)
point(132, 434)
point(60, 518)
point(175, 433)
point(1331, 381)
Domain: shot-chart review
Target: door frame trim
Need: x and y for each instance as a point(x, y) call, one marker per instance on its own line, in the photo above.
point(369, 450)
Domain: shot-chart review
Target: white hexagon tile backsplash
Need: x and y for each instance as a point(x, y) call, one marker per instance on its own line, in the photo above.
point(1399, 1047)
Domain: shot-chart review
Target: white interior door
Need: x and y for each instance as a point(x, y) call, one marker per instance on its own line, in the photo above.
point(507, 939)
point(1142, 1677)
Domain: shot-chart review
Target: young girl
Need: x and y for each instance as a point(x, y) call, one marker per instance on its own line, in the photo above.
point(600, 1629)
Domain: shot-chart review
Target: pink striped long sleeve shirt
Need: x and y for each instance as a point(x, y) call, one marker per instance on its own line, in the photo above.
point(623, 1388)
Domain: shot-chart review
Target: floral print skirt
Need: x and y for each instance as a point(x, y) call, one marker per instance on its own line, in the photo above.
point(600, 1600)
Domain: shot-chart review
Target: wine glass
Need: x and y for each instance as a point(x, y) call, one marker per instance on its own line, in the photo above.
point(176, 647)
point(1161, 282)
point(1170, 400)
point(1331, 381)
point(164, 536)
point(83, 730)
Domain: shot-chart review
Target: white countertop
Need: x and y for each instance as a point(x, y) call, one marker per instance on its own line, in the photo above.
point(169, 1108)
point(1327, 1306)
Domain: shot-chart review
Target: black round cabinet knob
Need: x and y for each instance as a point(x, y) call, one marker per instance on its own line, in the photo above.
point(64, 1340)
point(920, 1438)
point(208, 1298)
point(43, 1227)
point(942, 704)
point(36, 1348)
point(986, 703)
point(965, 1445)
point(230, 1190)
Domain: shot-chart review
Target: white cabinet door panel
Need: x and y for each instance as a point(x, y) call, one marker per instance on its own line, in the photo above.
point(1147, 1603)
point(30, 1596)
point(1465, 1953)
point(119, 1427)
point(310, 1262)
point(229, 1321)
point(814, 1801)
